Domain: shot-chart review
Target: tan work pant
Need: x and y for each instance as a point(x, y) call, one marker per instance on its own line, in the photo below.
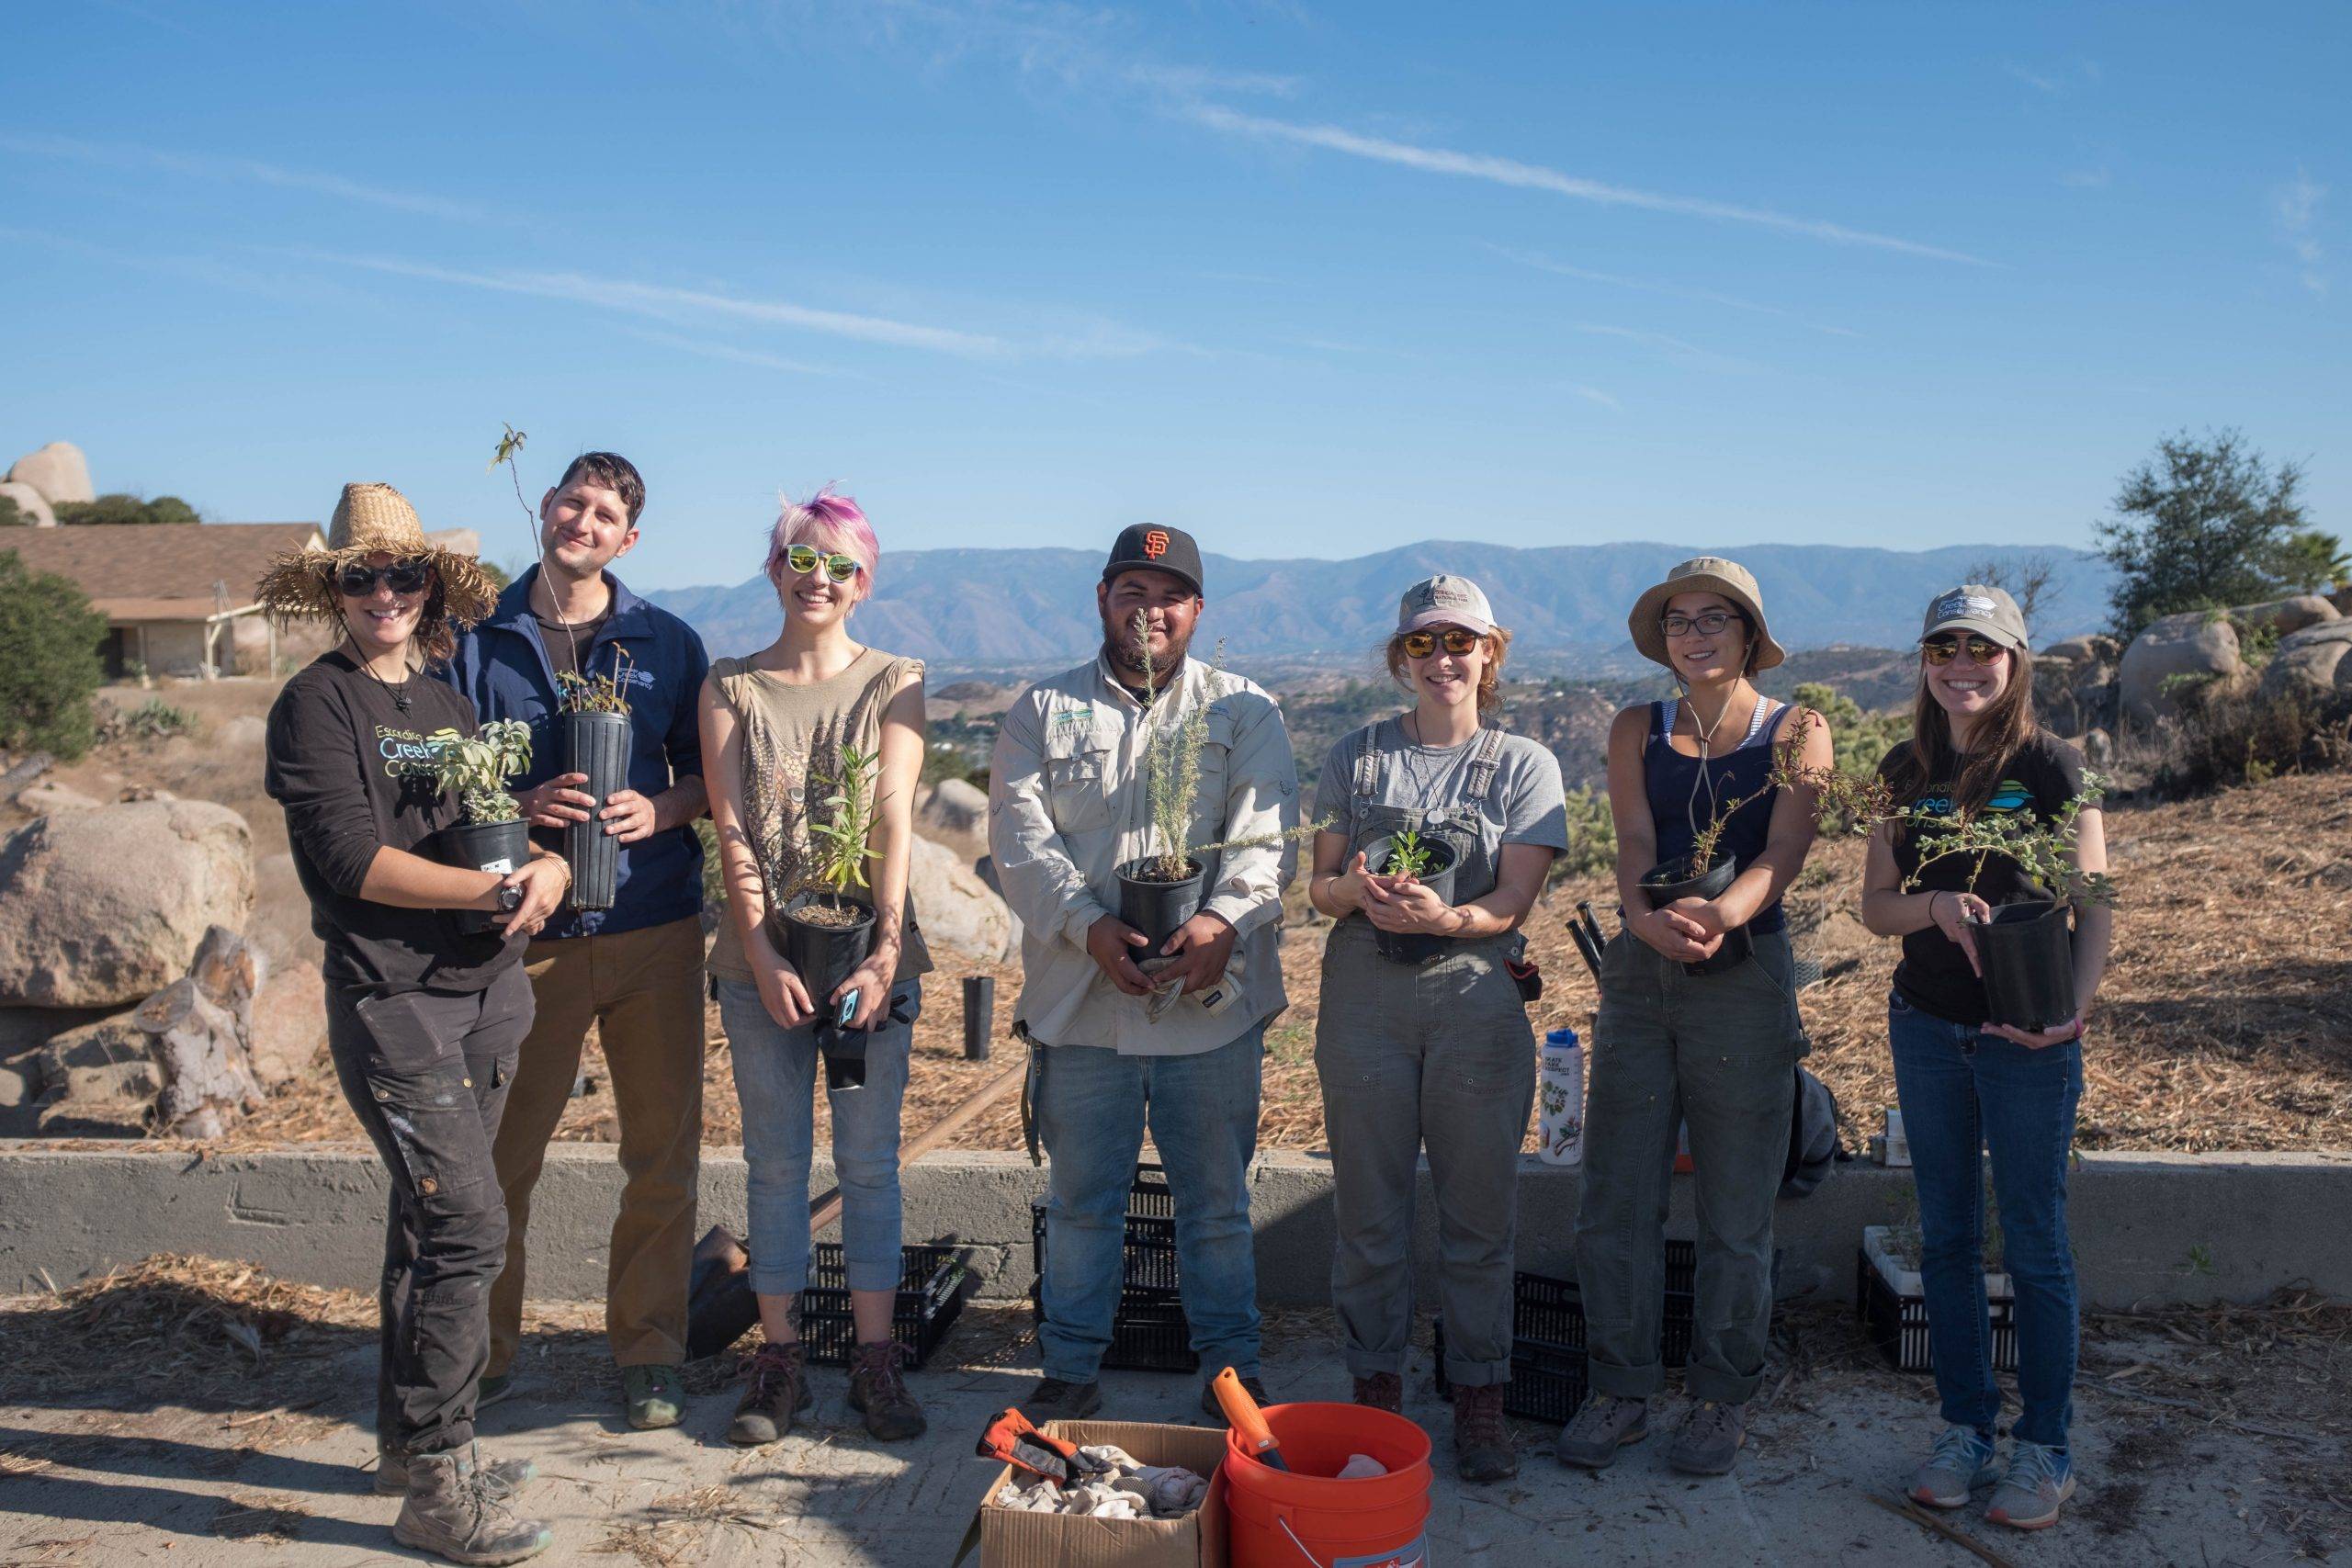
point(643, 989)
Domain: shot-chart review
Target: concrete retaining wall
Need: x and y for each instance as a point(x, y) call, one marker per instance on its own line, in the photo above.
point(2147, 1228)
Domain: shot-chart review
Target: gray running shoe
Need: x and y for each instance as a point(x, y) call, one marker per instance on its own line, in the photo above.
point(1960, 1462)
point(1712, 1435)
point(450, 1513)
point(1606, 1423)
point(2036, 1486)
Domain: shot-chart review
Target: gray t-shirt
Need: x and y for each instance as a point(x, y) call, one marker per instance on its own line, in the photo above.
point(1525, 804)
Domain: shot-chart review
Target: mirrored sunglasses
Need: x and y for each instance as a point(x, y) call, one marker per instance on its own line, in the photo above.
point(1940, 651)
point(804, 559)
point(1456, 641)
point(359, 579)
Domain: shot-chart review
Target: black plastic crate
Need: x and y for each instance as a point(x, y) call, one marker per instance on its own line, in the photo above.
point(1897, 1324)
point(1149, 1332)
point(1547, 1381)
point(931, 1297)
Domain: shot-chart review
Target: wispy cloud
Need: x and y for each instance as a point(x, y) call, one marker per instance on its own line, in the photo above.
point(246, 171)
point(732, 352)
point(1672, 290)
point(2037, 81)
point(1594, 395)
point(2095, 178)
point(2297, 207)
point(1666, 343)
point(1536, 176)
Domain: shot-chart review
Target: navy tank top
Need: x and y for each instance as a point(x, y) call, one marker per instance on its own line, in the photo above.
point(1742, 774)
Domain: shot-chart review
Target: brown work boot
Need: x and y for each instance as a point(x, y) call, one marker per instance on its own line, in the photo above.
point(776, 1390)
point(1481, 1449)
point(1382, 1391)
point(877, 1385)
point(451, 1513)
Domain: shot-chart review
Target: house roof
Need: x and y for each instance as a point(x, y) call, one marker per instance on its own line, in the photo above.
point(161, 572)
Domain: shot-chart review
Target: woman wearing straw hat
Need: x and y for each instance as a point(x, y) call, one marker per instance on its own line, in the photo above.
point(1698, 1021)
point(424, 1023)
point(1422, 1038)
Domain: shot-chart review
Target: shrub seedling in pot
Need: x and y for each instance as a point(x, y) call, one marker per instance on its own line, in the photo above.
point(490, 834)
point(1408, 854)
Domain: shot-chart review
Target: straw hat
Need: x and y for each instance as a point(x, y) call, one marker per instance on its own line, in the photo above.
point(1703, 574)
point(299, 584)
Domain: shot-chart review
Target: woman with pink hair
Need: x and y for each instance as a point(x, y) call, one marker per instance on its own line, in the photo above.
point(774, 726)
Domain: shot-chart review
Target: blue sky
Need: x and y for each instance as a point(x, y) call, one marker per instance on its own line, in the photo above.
point(1305, 278)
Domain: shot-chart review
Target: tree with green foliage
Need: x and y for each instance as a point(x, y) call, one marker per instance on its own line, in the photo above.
point(2200, 525)
point(50, 666)
point(12, 515)
point(118, 508)
point(1861, 740)
point(2315, 559)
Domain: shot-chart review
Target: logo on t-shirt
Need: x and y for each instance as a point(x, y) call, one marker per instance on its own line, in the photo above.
point(404, 752)
point(2008, 796)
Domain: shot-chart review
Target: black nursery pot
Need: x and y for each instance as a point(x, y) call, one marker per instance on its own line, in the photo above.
point(1415, 947)
point(2028, 951)
point(823, 956)
point(595, 744)
point(1155, 907)
point(1665, 884)
point(483, 846)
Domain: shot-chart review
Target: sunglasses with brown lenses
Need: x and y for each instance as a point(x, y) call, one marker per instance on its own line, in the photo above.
point(1454, 640)
point(1941, 650)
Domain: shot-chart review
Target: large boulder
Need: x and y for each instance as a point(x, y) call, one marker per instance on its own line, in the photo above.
point(30, 501)
point(2314, 664)
point(2074, 684)
point(955, 809)
point(58, 470)
point(104, 907)
point(2199, 643)
point(954, 907)
point(180, 1063)
point(2288, 615)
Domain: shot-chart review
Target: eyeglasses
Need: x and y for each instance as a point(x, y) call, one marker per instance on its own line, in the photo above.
point(1456, 641)
point(359, 579)
point(1707, 623)
point(1941, 650)
point(804, 559)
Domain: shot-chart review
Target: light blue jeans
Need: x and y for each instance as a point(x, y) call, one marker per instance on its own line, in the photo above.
point(1093, 1105)
point(775, 1079)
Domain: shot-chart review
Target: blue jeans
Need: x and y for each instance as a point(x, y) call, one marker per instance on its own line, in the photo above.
point(1962, 1091)
point(1091, 1107)
point(775, 1078)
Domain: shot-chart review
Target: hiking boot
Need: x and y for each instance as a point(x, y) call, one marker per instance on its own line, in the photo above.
point(1382, 1391)
point(1712, 1434)
point(878, 1386)
point(1961, 1461)
point(655, 1397)
point(1604, 1424)
point(2036, 1486)
point(494, 1387)
point(1481, 1449)
point(1209, 1406)
point(504, 1480)
point(1054, 1400)
point(776, 1390)
point(449, 1512)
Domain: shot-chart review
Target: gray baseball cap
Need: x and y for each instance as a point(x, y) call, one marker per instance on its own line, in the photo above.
point(1443, 601)
point(1981, 608)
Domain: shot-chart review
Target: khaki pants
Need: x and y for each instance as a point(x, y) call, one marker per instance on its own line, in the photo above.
point(643, 989)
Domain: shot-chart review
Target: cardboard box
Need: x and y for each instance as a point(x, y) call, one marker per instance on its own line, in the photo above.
point(1010, 1540)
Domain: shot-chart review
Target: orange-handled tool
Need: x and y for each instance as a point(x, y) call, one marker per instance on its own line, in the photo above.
point(1249, 1423)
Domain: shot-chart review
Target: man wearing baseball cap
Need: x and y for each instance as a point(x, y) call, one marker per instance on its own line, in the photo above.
point(1113, 1047)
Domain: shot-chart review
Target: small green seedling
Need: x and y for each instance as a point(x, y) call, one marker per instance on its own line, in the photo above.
point(478, 768)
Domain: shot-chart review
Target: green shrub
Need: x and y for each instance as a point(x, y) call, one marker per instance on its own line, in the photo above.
point(118, 508)
point(153, 719)
point(1861, 740)
point(11, 515)
point(48, 661)
point(1592, 836)
point(2226, 740)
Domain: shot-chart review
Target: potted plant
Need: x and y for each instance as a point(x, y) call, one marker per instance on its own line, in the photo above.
point(1160, 889)
point(490, 833)
point(2025, 949)
point(595, 732)
point(1894, 1303)
point(1430, 859)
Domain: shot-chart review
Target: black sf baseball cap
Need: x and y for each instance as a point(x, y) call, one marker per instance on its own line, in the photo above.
point(1148, 546)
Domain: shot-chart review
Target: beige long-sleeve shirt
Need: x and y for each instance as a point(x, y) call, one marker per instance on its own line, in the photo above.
point(1066, 807)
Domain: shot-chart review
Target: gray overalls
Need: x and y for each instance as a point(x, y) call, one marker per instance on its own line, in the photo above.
point(1437, 1053)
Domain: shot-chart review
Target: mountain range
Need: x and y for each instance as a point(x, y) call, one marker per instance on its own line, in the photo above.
point(1018, 610)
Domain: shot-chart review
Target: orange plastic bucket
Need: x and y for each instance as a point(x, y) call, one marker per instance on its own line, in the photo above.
point(1307, 1516)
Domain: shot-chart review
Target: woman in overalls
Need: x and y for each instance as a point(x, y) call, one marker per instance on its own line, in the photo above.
point(1422, 1038)
point(1694, 1028)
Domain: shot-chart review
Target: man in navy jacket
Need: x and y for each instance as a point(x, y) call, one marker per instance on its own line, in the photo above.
point(634, 970)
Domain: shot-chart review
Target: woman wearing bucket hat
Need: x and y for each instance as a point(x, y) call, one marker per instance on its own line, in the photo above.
point(1967, 1085)
point(1440, 831)
point(1698, 1017)
point(424, 1021)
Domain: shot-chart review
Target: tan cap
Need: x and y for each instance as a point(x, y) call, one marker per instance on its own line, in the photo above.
point(1703, 574)
point(1981, 608)
point(1443, 601)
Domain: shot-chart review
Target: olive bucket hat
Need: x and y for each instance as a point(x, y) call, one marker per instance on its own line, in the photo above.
point(371, 519)
point(1703, 574)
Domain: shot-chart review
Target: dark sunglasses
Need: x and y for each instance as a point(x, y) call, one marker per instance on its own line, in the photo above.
point(1941, 650)
point(359, 579)
point(1456, 641)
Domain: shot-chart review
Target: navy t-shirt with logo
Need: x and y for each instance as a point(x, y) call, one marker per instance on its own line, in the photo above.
point(1934, 975)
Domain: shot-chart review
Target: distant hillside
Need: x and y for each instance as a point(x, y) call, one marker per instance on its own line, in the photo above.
point(1016, 610)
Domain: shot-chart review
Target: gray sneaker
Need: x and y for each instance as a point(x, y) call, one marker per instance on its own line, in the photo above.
point(1960, 1462)
point(1605, 1424)
point(2036, 1486)
point(450, 1513)
point(654, 1397)
point(502, 1479)
point(1712, 1435)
